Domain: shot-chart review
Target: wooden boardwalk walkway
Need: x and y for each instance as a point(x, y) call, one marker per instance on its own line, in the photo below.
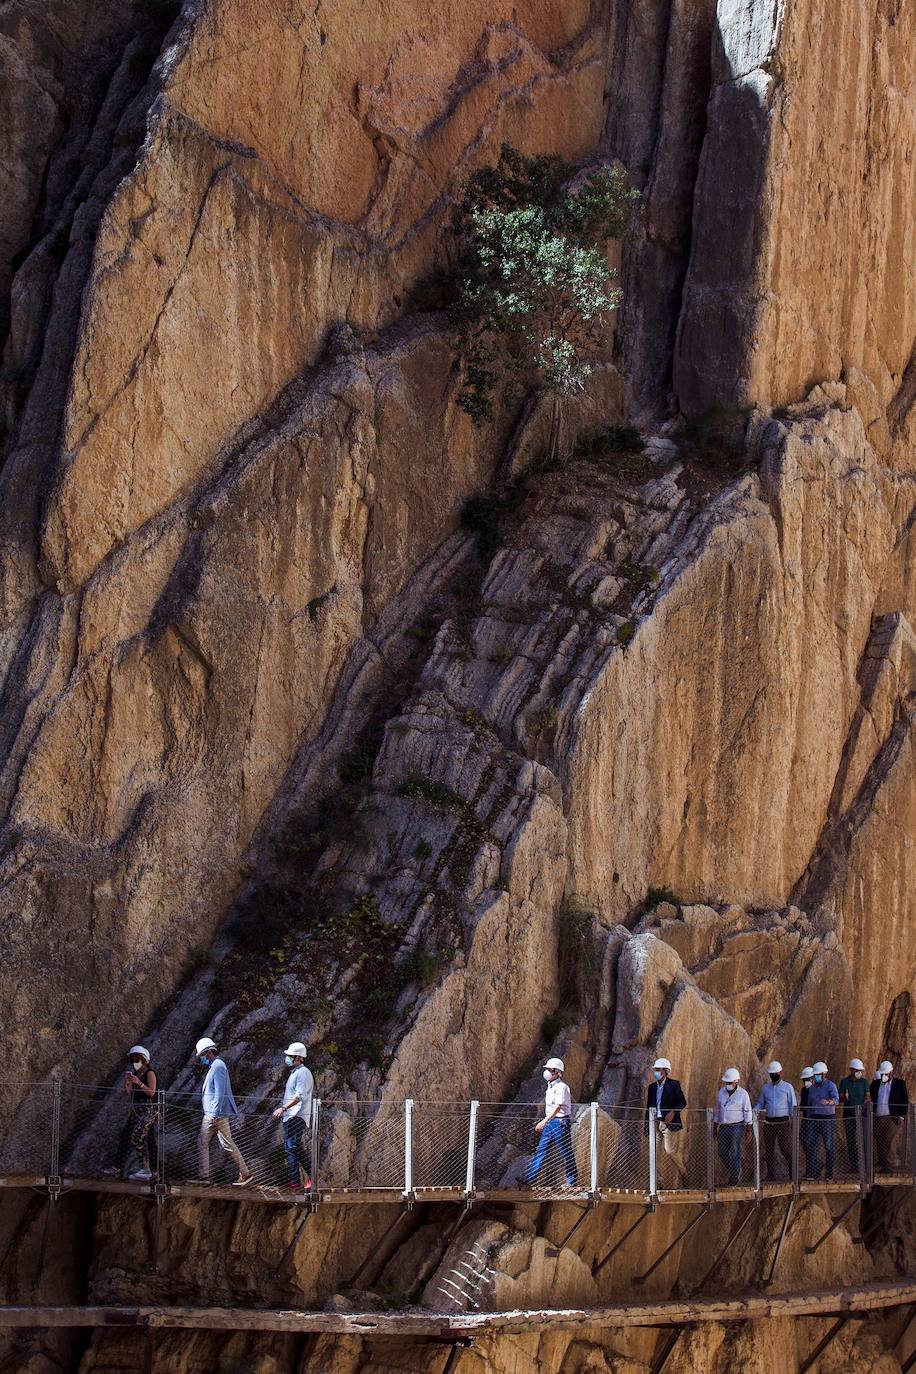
point(855, 1300)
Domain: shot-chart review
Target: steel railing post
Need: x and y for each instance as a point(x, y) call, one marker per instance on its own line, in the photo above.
point(869, 1145)
point(472, 1150)
point(314, 1126)
point(710, 1153)
point(861, 1159)
point(160, 1134)
point(757, 1171)
point(408, 1147)
point(54, 1175)
point(911, 1142)
point(593, 1149)
point(653, 1160)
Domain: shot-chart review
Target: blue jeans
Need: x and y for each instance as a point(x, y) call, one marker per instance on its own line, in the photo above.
point(820, 1129)
point(293, 1131)
point(556, 1138)
point(729, 1143)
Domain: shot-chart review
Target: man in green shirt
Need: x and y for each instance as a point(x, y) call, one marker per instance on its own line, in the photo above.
point(853, 1095)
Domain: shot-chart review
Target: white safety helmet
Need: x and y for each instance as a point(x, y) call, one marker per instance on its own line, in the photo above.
point(774, 1066)
point(138, 1052)
point(807, 1072)
point(205, 1044)
point(662, 1064)
point(556, 1064)
point(857, 1064)
point(731, 1076)
point(820, 1067)
point(297, 1047)
point(885, 1067)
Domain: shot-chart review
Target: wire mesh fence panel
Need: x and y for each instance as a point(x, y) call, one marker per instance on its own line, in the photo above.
point(892, 1143)
point(221, 1150)
point(440, 1144)
point(776, 1149)
point(100, 1131)
point(734, 1155)
point(506, 1142)
point(26, 1144)
point(512, 1154)
point(832, 1147)
point(361, 1145)
point(683, 1156)
point(623, 1158)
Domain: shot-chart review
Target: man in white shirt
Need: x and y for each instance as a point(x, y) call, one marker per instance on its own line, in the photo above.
point(296, 1114)
point(733, 1120)
point(555, 1129)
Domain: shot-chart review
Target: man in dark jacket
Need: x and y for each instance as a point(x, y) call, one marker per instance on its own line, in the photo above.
point(666, 1096)
point(889, 1100)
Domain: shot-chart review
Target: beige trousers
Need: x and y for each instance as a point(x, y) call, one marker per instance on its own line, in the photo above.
point(218, 1126)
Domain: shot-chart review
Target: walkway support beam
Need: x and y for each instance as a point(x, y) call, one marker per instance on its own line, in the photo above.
point(618, 1245)
point(641, 1278)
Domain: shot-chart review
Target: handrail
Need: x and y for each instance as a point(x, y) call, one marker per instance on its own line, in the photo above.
point(414, 1147)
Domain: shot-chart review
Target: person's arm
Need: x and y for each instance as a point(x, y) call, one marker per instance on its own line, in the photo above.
point(748, 1112)
point(148, 1088)
point(286, 1106)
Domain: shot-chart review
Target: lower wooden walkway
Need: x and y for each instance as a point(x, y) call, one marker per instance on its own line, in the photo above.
point(851, 1301)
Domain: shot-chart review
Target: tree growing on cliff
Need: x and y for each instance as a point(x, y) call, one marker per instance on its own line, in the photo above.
point(532, 291)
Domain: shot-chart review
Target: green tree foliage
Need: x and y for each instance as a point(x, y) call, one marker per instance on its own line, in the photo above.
point(532, 289)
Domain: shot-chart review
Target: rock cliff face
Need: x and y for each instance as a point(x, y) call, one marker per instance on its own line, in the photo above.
point(274, 724)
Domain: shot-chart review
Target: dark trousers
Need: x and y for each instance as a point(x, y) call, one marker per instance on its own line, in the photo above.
point(851, 1127)
point(777, 1134)
point(728, 1140)
point(139, 1137)
point(556, 1138)
point(820, 1141)
point(293, 1133)
point(889, 1132)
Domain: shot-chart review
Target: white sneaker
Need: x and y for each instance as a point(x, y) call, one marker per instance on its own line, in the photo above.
point(143, 1175)
point(243, 1182)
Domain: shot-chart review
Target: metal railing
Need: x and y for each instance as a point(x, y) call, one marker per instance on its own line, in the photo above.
point(74, 1131)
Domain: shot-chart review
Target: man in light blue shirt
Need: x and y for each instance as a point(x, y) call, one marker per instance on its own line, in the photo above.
point(218, 1105)
point(823, 1100)
point(776, 1104)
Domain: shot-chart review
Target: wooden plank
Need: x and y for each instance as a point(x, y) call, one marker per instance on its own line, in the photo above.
point(867, 1297)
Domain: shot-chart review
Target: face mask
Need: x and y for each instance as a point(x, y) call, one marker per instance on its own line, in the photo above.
point(857, 1073)
point(547, 1075)
point(657, 1075)
point(289, 1060)
point(730, 1087)
point(885, 1078)
point(818, 1078)
point(774, 1077)
point(205, 1062)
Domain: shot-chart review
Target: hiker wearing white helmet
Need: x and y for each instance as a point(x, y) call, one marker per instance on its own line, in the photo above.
point(823, 1099)
point(666, 1097)
point(140, 1087)
point(853, 1093)
point(776, 1105)
point(890, 1101)
point(218, 1106)
point(555, 1129)
point(732, 1122)
point(295, 1111)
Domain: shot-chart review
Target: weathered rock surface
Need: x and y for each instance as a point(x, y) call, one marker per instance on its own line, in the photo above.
point(252, 668)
